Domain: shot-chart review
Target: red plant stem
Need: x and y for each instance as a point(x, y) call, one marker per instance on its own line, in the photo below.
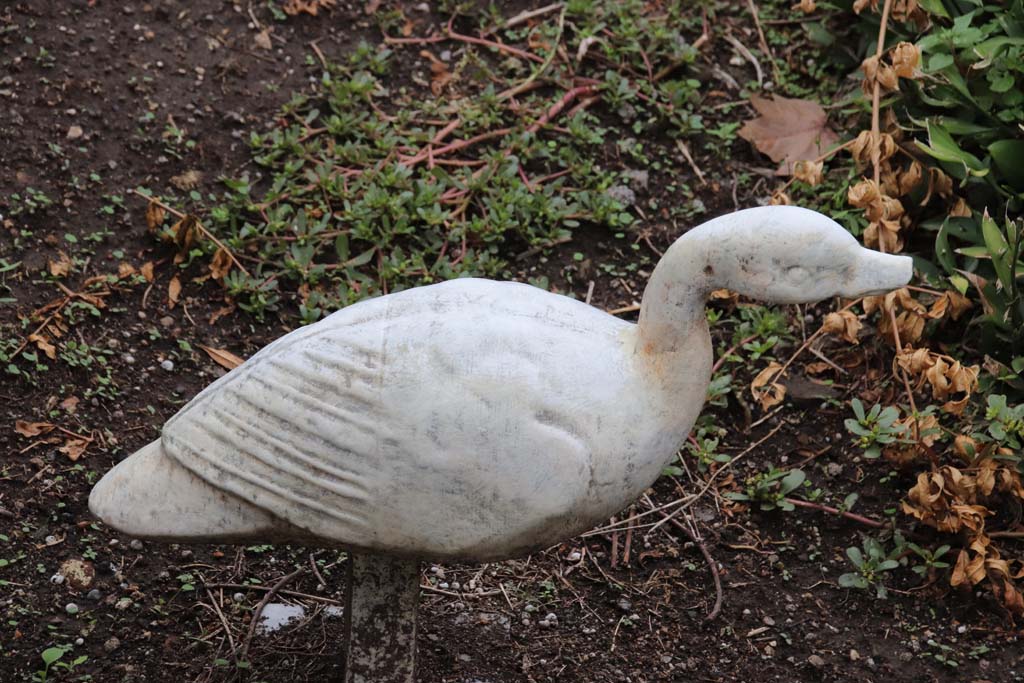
point(453, 146)
point(453, 35)
point(836, 511)
point(443, 133)
point(557, 107)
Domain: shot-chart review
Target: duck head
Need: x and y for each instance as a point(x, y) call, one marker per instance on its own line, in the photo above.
point(788, 255)
point(777, 254)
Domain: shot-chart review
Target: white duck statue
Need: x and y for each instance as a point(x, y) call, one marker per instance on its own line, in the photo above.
point(471, 419)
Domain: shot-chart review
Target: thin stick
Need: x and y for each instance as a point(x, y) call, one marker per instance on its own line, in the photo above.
point(526, 15)
point(632, 308)
point(684, 503)
point(293, 594)
point(876, 95)
point(259, 610)
point(528, 83)
point(712, 566)
point(693, 164)
point(764, 43)
point(223, 620)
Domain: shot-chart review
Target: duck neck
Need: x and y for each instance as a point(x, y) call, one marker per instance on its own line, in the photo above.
point(672, 309)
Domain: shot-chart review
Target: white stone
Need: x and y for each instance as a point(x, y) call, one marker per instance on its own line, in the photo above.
point(471, 419)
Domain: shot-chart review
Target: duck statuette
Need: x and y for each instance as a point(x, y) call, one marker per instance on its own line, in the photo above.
point(471, 419)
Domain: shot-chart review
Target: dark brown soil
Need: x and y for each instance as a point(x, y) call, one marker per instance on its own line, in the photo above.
point(121, 72)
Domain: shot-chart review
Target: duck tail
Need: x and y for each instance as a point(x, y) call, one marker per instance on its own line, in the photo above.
point(149, 495)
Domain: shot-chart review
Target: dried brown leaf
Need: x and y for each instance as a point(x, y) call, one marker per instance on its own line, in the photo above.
point(765, 389)
point(225, 359)
point(220, 264)
point(74, 448)
point(155, 216)
point(809, 172)
point(843, 324)
point(173, 291)
point(44, 345)
point(789, 130)
point(61, 266)
point(30, 429)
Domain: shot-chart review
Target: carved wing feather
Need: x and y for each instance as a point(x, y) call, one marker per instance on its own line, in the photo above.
point(294, 431)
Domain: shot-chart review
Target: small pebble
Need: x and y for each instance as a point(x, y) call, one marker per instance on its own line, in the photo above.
point(111, 644)
point(75, 132)
point(167, 365)
point(79, 641)
point(816, 661)
point(574, 556)
point(94, 595)
point(128, 358)
point(71, 608)
point(57, 579)
point(136, 544)
point(238, 597)
point(625, 605)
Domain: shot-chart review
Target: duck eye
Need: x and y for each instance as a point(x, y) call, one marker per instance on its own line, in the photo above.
point(796, 274)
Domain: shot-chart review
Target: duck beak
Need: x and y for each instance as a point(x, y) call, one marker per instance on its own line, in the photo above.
point(877, 273)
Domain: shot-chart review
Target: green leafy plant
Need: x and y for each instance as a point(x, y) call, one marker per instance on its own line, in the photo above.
point(871, 565)
point(991, 262)
point(930, 559)
point(768, 490)
point(874, 429)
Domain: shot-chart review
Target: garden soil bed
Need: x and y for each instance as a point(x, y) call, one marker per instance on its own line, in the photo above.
point(90, 93)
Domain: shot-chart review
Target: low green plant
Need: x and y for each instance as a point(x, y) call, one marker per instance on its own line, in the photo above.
point(990, 260)
point(871, 565)
point(53, 658)
point(931, 560)
point(768, 490)
point(874, 429)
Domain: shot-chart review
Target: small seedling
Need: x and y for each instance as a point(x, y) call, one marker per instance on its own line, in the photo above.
point(871, 565)
point(875, 429)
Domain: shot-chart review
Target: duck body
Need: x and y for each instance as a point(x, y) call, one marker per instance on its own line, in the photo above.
point(470, 419)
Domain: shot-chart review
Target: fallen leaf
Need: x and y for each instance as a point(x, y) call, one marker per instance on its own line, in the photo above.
point(173, 291)
point(220, 264)
point(61, 266)
point(44, 345)
point(155, 216)
point(789, 130)
point(843, 324)
point(30, 429)
point(806, 6)
point(809, 172)
point(311, 7)
point(765, 389)
point(70, 404)
point(74, 448)
point(147, 271)
point(188, 180)
point(125, 270)
point(262, 41)
point(220, 313)
point(225, 359)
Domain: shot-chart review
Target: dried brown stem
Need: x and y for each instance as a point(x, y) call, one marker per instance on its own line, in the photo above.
point(836, 511)
point(243, 653)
